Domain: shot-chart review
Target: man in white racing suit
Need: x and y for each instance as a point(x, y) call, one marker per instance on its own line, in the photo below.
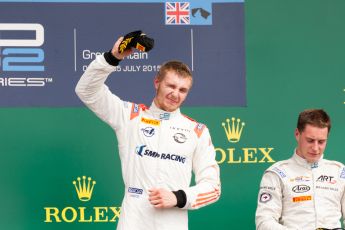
point(158, 146)
point(305, 192)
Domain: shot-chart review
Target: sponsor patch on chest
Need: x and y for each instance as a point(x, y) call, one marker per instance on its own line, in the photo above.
point(301, 198)
point(150, 121)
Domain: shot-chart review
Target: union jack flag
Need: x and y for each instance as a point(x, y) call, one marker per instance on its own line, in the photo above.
point(177, 13)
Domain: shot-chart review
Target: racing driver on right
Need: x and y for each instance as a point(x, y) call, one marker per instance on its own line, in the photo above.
point(305, 192)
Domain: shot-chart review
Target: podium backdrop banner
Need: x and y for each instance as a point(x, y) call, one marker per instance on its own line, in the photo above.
point(46, 46)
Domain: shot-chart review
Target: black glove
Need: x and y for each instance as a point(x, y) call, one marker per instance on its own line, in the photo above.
point(136, 39)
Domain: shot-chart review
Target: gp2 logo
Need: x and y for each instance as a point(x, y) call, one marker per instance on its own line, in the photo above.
point(25, 58)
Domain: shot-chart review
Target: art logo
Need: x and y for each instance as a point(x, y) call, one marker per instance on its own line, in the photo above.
point(84, 187)
point(326, 179)
point(21, 55)
point(233, 129)
point(188, 13)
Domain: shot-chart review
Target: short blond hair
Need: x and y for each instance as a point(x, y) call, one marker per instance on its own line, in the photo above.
point(178, 67)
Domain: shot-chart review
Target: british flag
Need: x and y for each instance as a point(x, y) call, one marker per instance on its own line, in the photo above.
point(177, 13)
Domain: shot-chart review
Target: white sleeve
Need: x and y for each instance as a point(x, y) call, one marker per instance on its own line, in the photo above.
point(269, 208)
point(343, 207)
point(97, 96)
point(207, 188)
point(342, 202)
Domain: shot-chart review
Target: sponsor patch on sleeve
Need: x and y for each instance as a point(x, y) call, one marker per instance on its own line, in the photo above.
point(265, 197)
point(135, 190)
point(279, 171)
point(199, 128)
point(134, 111)
point(342, 174)
point(268, 187)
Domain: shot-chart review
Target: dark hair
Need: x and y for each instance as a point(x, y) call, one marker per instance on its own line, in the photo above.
point(177, 66)
point(314, 117)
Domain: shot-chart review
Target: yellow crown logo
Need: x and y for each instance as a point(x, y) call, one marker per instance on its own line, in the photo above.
point(84, 189)
point(233, 130)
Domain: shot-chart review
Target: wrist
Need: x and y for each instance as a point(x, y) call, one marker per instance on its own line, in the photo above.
point(111, 59)
point(181, 198)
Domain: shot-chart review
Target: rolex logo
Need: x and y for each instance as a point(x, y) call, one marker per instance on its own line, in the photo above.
point(69, 214)
point(84, 189)
point(233, 129)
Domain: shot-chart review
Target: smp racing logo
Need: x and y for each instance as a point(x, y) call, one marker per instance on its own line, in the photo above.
point(22, 58)
point(233, 129)
point(142, 151)
point(84, 187)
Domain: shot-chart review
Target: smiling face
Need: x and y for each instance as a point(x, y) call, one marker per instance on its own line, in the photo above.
point(171, 91)
point(311, 142)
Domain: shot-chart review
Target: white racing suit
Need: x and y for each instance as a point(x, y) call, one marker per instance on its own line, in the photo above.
point(295, 194)
point(157, 150)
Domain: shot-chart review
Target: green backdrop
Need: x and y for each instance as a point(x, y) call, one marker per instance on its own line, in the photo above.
point(294, 60)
